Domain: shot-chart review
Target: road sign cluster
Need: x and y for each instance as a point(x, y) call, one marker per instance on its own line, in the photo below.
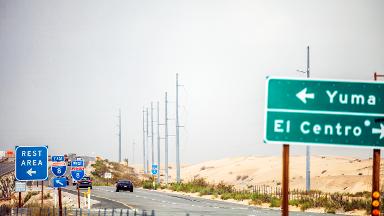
point(58, 168)
point(154, 169)
point(324, 112)
point(32, 165)
point(77, 169)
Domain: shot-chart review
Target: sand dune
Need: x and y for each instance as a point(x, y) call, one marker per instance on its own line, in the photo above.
point(331, 174)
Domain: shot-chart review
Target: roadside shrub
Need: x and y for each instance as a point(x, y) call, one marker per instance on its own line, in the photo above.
point(29, 195)
point(47, 196)
point(275, 202)
point(226, 196)
point(148, 184)
point(223, 188)
point(305, 205)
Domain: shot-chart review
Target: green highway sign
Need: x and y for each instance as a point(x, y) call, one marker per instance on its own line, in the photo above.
point(307, 111)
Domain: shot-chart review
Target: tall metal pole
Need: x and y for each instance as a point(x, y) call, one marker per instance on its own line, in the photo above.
point(147, 146)
point(133, 152)
point(285, 201)
point(177, 131)
point(60, 203)
point(308, 148)
point(42, 194)
point(158, 143)
point(144, 137)
point(152, 143)
point(119, 135)
point(376, 162)
point(166, 138)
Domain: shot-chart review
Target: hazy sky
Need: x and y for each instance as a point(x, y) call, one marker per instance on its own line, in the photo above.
point(67, 66)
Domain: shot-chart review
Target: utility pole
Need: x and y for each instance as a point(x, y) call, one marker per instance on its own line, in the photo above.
point(152, 143)
point(158, 143)
point(133, 152)
point(177, 131)
point(308, 148)
point(166, 138)
point(119, 135)
point(144, 137)
point(376, 169)
point(147, 146)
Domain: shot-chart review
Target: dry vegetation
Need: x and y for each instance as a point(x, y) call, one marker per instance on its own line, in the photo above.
point(119, 171)
point(330, 202)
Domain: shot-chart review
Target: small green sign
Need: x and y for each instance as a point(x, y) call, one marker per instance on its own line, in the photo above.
point(334, 112)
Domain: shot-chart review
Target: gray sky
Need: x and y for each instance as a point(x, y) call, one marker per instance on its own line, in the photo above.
point(67, 66)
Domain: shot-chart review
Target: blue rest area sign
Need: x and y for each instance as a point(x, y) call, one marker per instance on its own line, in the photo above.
point(58, 167)
point(31, 163)
point(154, 169)
point(77, 169)
point(59, 182)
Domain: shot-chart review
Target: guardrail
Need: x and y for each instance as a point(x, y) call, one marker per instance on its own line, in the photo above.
point(74, 212)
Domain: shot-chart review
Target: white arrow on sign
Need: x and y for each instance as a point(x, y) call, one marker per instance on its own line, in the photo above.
point(303, 95)
point(30, 172)
point(379, 131)
point(59, 182)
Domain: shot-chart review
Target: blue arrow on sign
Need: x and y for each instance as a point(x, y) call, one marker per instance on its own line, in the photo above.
point(31, 163)
point(59, 166)
point(77, 170)
point(59, 182)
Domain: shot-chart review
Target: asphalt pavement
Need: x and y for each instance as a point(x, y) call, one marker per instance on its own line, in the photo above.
point(169, 204)
point(6, 167)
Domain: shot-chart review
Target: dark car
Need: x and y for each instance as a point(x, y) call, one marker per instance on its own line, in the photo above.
point(85, 182)
point(124, 185)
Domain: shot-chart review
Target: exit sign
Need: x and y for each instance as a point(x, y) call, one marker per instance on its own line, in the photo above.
point(308, 111)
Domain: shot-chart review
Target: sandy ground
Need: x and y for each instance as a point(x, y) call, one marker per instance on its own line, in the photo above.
point(68, 200)
point(263, 205)
point(328, 174)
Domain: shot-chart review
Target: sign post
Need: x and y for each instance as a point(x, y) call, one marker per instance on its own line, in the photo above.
point(31, 163)
point(42, 194)
point(285, 202)
point(376, 169)
point(107, 175)
point(154, 171)
point(58, 168)
point(20, 187)
point(77, 173)
point(325, 112)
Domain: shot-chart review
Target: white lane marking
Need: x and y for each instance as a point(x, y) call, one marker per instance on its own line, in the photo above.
point(114, 201)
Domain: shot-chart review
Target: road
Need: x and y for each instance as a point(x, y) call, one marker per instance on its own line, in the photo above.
point(6, 167)
point(168, 204)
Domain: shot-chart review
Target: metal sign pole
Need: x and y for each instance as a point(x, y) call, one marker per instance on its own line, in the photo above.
point(284, 203)
point(60, 204)
point(78, 197)
point(19, 199)
point(42, 194)
point(376, 165)
point(376, 171)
